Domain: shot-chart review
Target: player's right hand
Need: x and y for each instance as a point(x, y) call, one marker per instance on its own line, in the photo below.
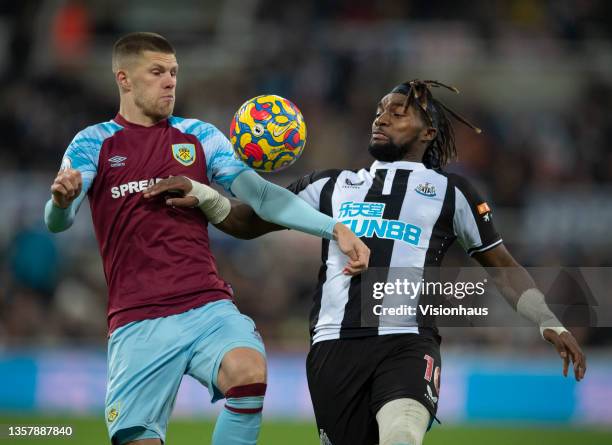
point(66, 187)
point(179, 185)
point(354, 248)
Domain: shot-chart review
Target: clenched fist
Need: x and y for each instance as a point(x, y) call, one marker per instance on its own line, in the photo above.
point(66, 187)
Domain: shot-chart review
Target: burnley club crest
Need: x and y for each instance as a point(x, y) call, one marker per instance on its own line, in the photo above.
point(184, 153)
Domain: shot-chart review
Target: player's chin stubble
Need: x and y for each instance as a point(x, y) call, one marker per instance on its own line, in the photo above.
point(155, 111)
point(388, 152)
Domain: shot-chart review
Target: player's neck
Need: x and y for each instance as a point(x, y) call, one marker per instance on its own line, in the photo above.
point(133, 114)
point(413, 157)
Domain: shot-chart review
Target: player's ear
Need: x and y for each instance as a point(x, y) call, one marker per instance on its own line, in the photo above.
point(428, 133)
point(123, 80)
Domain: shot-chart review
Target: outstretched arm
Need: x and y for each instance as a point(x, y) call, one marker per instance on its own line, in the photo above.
point(270, 208)
point(519, 289)
point(242, 222)
point(474, 228)
point(279, 206)
point(230, 216)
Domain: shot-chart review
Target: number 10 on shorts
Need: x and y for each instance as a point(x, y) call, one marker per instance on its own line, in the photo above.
point(429, 372)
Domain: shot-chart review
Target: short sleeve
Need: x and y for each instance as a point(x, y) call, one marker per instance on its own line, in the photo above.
point(222, 165)
point(473, 219)
point(82, 155)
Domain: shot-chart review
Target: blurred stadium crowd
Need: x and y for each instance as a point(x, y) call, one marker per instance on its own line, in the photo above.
point(534, 75)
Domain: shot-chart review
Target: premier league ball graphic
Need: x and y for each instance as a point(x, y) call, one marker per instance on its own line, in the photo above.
point(268, 133)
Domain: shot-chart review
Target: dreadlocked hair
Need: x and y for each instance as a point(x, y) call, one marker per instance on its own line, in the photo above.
point(442, 149)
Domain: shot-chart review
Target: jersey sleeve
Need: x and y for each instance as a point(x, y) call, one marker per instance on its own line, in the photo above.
point(309, 187)
point(82, 155)
point(473, 219)
point(222, 165)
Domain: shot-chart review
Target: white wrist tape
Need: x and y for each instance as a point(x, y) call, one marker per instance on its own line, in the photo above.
point(532, 306)
point(215, 206)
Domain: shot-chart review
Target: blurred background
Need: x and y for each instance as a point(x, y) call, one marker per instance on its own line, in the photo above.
point(535, 75)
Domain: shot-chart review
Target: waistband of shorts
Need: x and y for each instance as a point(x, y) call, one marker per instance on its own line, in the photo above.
point(334, 334)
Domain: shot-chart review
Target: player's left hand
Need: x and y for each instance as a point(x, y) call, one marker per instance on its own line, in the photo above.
point(174, 184)
point(354, 248)
point(568, 349)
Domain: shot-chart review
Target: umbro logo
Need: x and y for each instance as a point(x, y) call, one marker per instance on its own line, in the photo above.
point(350, 183)
point(117, 161)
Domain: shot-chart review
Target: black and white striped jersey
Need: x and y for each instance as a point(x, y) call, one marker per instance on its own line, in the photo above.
point(407, 214)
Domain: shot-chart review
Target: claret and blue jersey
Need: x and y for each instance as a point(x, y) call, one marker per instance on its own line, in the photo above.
point(157, 260)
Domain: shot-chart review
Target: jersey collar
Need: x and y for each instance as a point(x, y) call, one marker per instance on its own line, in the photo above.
point(398, 165)
point(127, 124)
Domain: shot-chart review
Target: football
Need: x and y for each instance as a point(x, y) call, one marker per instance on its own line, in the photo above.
point(268, 133)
